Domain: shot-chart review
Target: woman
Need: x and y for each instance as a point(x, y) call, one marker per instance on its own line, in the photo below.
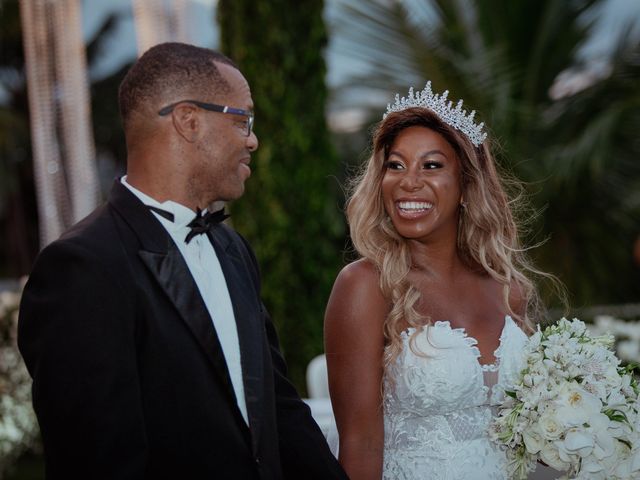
point(424, 331)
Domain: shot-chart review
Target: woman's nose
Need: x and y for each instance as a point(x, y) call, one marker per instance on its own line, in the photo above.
point(411, 181)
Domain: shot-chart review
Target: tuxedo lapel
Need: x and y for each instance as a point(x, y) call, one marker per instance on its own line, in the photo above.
point(173, 275)
point(165, 262)
point(246, 310)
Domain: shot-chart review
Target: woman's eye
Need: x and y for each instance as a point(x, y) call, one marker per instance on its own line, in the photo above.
point(432, 165)
point(393, 165)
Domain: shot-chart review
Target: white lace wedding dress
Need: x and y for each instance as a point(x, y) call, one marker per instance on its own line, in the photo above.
point(438, 406)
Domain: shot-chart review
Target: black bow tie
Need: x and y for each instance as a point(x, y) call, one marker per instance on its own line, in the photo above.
point(203, 223)
point(200, 224)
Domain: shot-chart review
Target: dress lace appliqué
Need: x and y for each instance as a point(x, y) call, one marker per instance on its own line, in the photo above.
point(438, 404)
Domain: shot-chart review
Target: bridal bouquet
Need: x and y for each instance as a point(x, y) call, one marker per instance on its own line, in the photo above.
point(573, 407)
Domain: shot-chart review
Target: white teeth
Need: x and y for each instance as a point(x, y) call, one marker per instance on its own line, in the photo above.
point(415, 205)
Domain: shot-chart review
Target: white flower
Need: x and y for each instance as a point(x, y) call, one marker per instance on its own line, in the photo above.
point(576, 405)
point(534, 340)
point(549, 425)
point(549, 455)
point(604, 441)
point(576, 442)
point(532, 441)
point(620, 465)
point(635, 462)
point(596, 388)
point(616, 399)
point(590, 466)
point(575, 408)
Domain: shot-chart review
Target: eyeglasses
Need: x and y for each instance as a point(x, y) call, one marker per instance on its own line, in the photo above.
point(212, 107)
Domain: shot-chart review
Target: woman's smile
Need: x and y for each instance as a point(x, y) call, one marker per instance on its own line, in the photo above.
point(411, 209)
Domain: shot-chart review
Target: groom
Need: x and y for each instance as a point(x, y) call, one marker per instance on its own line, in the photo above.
point(151, 353)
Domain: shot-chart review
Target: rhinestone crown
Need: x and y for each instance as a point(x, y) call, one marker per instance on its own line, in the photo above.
point(455, 117)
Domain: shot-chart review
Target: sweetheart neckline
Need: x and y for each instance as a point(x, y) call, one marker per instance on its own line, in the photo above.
point(497, 353)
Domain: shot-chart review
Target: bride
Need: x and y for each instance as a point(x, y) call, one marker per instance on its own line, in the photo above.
point(423, 333)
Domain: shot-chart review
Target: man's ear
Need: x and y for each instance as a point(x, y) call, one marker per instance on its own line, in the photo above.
point(186, 120)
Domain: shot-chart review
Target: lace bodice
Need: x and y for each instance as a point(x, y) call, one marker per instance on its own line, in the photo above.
point(438, 404)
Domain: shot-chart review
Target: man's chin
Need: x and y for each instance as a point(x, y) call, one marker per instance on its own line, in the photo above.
point(232, 195)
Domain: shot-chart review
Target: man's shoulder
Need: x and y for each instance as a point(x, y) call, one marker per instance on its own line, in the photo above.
point(84, 257)
point(95, 230)
point(94, 237)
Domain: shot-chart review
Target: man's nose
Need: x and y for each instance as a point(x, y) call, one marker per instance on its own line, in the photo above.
point(252, 142)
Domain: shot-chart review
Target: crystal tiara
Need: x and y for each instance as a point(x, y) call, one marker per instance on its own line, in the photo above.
point(455, 117)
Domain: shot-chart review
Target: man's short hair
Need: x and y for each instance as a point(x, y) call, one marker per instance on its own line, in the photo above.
point(169, 70)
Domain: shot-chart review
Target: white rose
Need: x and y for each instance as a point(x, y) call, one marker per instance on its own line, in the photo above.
point(532, 441)
point(577, 405)
point(577, 442)
point(549, 455)
point(549, 426)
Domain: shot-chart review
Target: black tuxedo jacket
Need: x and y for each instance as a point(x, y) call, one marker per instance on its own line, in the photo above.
point(129, 379)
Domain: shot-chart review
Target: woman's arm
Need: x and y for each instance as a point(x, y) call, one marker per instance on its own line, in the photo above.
point(354, 346)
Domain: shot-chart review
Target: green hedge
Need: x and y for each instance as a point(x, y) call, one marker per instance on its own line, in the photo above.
point(291, 211)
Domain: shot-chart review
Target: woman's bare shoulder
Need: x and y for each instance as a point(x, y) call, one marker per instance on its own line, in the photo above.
point(360, 270)
point(356, 294)
point(359, 278)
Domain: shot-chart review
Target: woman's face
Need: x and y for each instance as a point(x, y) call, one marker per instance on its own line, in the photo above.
point(421, 186)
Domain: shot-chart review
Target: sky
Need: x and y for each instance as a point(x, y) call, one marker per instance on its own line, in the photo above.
point(122, 48)
point(611, 21)
point(203, 31)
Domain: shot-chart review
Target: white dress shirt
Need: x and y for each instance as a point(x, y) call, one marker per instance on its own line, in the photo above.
point(205, 268)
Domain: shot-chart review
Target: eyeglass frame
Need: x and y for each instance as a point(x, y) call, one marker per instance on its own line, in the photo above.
point(212, 107)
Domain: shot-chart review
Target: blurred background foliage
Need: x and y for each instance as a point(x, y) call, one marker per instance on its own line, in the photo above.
point(566, 126)
point(290, 212)
point(562, 123)
point(19, 239)
point(18, 211)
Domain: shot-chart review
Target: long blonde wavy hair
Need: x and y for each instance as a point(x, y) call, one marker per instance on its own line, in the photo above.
point(488, 237)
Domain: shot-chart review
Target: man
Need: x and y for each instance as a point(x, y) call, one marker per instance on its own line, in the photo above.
point(151, 353)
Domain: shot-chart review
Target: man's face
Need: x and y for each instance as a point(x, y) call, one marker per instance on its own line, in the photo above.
point(225, 149)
